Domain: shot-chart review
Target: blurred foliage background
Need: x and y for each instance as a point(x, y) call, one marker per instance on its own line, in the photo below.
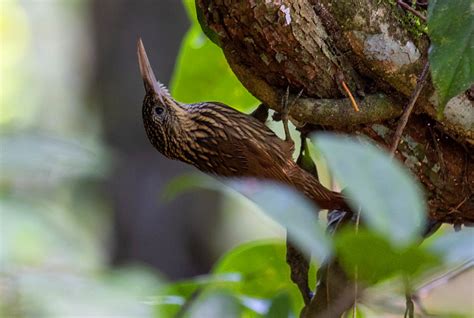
point(84, 227)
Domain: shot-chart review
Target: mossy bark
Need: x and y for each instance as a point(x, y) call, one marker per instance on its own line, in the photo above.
point(314, 45)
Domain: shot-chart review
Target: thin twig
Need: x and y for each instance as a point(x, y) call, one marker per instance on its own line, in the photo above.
point(356, 272)
point(406, 113)
point(410, 306)
point(348, 91)
point(439, 154)
point(417, 301)
point(411, 10)
point(456, 208)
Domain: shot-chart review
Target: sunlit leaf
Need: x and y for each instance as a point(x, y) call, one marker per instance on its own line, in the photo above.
point(261, 265)
point(203, 74)
point(392, 202)
point(280, 307)
point(263, 270)
point(451, 30)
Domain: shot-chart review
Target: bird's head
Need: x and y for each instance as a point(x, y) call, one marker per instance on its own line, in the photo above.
point(162, 115)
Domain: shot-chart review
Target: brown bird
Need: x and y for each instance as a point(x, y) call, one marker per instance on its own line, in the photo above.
point(220, 140)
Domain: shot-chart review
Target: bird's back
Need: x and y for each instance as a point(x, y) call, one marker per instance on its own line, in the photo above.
point(233, 144)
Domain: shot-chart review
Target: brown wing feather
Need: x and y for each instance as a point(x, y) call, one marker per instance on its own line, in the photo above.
point(252, 150)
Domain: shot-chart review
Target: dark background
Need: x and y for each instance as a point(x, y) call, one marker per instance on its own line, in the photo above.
point(168, 235)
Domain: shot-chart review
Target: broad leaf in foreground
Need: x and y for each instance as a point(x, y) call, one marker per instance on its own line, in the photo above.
point(281, 203)
point(391, 202)
point(451, 30)
point(372, 258)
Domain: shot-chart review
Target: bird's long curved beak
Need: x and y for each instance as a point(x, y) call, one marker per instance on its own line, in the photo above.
point(149, 79)
point(151, 83)
point(152, 86)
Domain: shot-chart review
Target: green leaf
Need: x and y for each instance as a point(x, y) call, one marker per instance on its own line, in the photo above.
point(290, 209)
point(280, 307)
point(263, 271)
point(284, 205)
point(216, 304)
point(188, 182)
point(261, 266)
point(203, 74)
point(372, 258)
point(451, 30)
point(391, 201)
point(173, 296)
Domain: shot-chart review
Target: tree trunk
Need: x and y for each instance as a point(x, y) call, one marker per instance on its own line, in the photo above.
point(372, 47)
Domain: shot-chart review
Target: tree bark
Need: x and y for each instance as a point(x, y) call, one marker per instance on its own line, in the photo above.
point(313, 45)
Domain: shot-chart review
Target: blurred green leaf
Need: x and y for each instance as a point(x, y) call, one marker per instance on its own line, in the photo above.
point(280, 307)
point(188, 182)
point(283, 204)
point(290, 209)
point(174, 295)
point(40, 158)
point(454, 247)
point(372, 258)
point(392, 202)
point(254, 272)
point(37, 231)
point(216, 304)
point(190, 7)
point(203, 74)
point(451, 30)
point(263, 270)
point(67, 292)
point(261, 265)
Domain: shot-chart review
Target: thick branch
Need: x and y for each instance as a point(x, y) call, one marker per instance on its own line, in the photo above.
point(307, 44)
point(329, 112)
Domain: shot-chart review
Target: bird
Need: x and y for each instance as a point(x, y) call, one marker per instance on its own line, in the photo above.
point(219, 140)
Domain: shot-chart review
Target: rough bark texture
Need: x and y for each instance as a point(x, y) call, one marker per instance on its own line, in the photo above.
point(312, 45)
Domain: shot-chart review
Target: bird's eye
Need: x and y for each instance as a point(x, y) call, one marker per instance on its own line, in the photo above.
point(159, 110)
